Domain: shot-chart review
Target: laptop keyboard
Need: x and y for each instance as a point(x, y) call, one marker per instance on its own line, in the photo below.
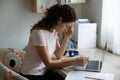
point(92, 65)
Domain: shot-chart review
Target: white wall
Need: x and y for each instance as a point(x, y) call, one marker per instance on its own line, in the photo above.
point(16, 19)
point(77, 8)
point(92, 10)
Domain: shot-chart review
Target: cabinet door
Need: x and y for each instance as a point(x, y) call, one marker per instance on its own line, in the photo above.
point(85, 35)
point(39, 4)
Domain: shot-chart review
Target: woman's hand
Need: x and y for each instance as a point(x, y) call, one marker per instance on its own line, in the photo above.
point(80, 61)
point(68, 31)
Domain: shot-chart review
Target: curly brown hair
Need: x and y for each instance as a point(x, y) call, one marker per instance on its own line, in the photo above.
point(53, 14)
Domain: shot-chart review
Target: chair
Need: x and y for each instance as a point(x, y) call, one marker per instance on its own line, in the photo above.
point(10, 64)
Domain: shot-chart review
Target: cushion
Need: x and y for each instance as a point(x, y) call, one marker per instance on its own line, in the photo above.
point(13, 59)
point(3, 51)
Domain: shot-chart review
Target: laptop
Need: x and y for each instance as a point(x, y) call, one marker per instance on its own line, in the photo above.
point(93, 65)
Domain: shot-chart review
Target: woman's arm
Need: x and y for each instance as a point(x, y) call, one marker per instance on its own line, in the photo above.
point(54, 64)
point(61, 49)
point(59, 52)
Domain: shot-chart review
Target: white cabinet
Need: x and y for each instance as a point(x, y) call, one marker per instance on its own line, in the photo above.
point(85, 35)
point(71, 1)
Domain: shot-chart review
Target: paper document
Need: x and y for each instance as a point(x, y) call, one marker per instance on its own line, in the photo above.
point(81, 75)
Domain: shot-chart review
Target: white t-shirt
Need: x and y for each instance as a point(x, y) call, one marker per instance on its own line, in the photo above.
point(32, 64)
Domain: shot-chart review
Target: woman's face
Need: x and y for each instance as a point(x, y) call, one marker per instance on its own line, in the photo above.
point(60, 27)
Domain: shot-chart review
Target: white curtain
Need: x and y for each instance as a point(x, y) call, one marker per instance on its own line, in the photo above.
point(110, 30)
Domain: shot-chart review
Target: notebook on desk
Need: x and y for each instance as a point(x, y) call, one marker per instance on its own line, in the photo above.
point(93, 65)
point(82, 75)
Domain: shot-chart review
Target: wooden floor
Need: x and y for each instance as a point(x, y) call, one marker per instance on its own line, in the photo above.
point(111, 62)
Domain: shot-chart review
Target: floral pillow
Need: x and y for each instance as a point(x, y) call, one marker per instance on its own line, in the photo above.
point(12, 58)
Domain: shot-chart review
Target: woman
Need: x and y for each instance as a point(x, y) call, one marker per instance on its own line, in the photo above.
point(44, 42)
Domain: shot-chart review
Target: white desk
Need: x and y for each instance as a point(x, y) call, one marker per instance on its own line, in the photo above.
point(111, 64)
